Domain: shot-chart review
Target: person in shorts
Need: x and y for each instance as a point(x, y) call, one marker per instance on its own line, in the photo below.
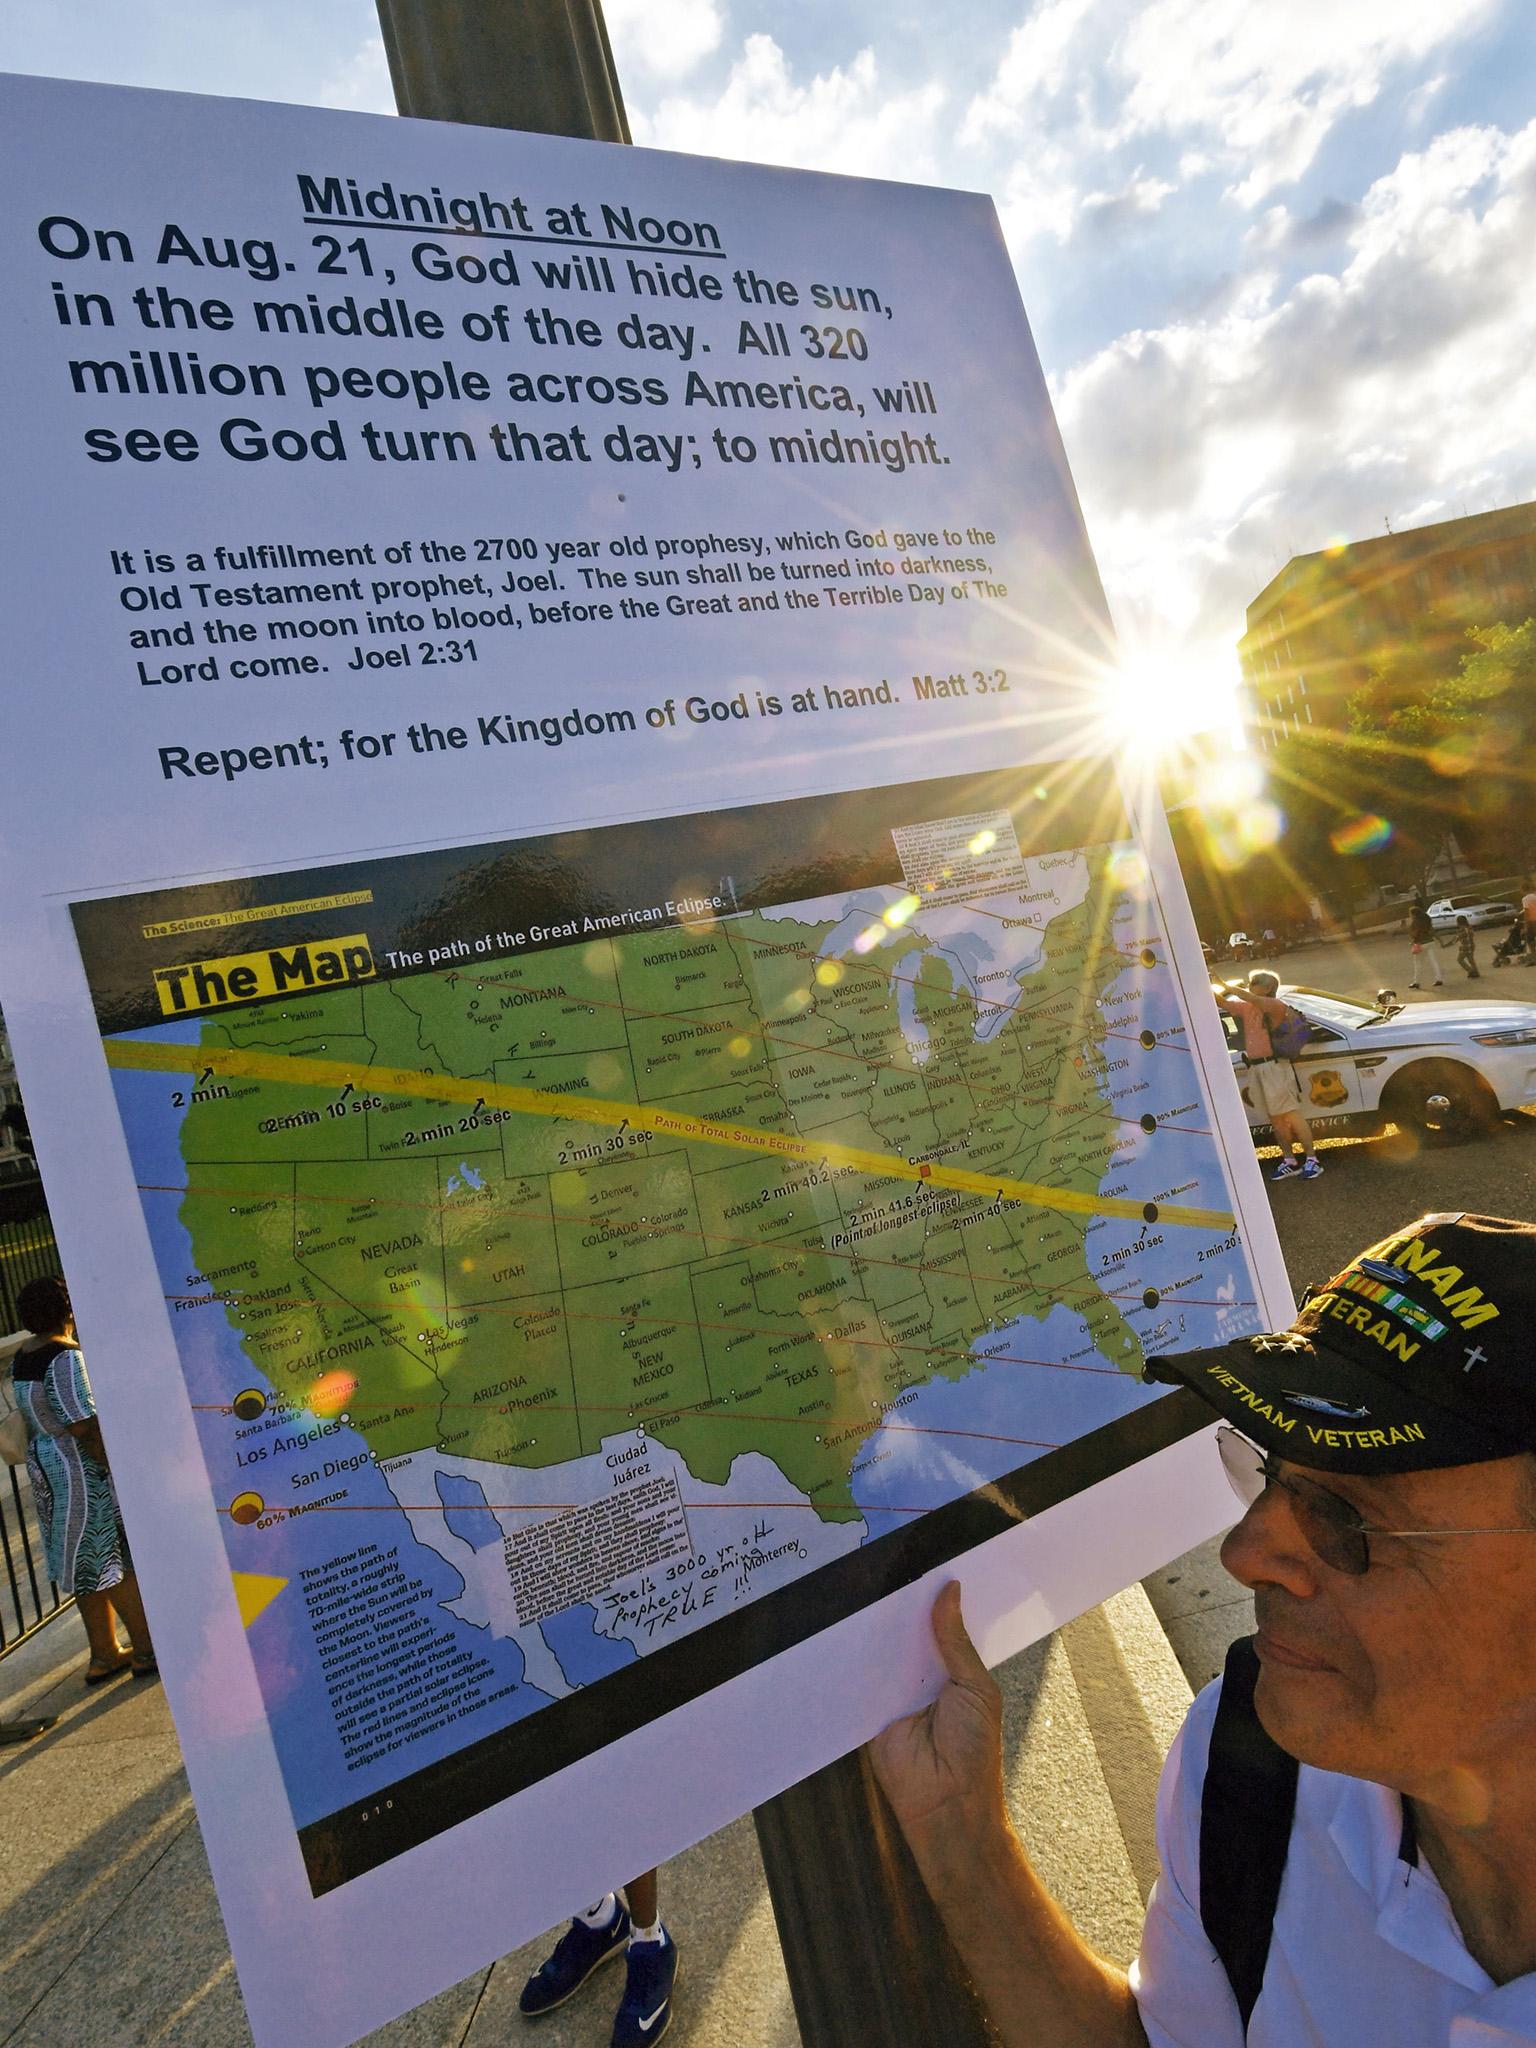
point(1272, 1079)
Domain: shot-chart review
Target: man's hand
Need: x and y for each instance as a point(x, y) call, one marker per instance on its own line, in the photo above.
point(942, 1771)
point(948, 1756)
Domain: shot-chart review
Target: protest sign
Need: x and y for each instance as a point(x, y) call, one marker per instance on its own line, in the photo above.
point(620, 1082)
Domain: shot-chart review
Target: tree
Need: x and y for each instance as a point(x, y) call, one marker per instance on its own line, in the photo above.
point(1489, 751)
point(1344, 835)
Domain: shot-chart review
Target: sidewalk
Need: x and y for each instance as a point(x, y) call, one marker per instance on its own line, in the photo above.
point(112, 1936)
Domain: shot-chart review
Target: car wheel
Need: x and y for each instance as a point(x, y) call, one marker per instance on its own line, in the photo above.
point(1441, 1099)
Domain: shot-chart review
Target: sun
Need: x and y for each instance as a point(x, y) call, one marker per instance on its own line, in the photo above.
point(1152, 703)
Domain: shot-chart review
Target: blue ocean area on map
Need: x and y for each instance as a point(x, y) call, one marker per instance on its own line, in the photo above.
point(299, 1707)
point(1026, 1395)
point(582, 1654)
point(466, 1512)
point(955, 1435)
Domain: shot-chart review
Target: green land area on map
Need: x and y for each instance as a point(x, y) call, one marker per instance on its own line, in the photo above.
point(513, 1288)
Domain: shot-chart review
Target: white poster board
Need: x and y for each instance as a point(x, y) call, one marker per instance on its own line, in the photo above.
point(620, 1091)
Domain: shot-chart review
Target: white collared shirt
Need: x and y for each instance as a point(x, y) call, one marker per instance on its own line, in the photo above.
point(1366, 1952)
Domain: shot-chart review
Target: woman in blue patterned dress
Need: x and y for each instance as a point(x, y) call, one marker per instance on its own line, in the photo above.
point(67, 1463)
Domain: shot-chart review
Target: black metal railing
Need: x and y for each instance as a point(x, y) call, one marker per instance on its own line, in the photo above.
point(27, 1249)
point(28, 1597)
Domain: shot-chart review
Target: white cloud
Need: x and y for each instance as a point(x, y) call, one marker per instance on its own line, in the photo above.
point(1042, 54)
point(1246, 89)
point(1142, 196)
point(1271, 81)
point(362, 82)
point(1207, 451)
point(664, 41)
point(844, 119)
point(1272, 230)
point(1038, 197)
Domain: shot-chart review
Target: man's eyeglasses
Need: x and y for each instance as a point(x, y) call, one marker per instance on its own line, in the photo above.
point(1334, 1530)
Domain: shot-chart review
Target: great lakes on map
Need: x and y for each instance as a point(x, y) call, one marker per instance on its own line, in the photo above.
point(636, 1278)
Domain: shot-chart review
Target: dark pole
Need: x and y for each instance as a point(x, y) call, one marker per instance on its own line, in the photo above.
point(543, 65)
point(868, 1961)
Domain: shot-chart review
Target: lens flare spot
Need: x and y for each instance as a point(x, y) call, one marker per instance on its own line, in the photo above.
point(698, 894)
point(983, 842)
point(1456, 756)
point(1128, 869)
point(1231, 782)
point(740, 1047)
point(869, 938)
point(331, 1393)
point(901, 910)
point(1368, 833)
point(1260, 825)
point(829, 972)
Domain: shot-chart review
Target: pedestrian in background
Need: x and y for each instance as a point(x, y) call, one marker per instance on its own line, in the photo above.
point(1421, 940)
point(67, 1464)
point(1466, 949)
point(1270, 1072)
point(627, 1924)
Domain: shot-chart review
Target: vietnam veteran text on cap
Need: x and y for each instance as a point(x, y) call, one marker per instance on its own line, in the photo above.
point(1418, 1354)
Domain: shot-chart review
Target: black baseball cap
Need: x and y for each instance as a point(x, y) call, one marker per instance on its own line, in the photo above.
point(1420, 1353)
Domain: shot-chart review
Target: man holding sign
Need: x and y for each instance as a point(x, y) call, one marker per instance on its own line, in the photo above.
point(1386, 1890)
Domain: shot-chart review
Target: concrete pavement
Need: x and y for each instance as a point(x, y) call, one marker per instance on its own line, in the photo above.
point(110, 1935)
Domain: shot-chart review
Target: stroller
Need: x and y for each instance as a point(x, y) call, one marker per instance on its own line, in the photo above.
point(1513, 945)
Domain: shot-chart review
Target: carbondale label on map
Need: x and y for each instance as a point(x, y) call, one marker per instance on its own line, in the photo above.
point(566, 1277)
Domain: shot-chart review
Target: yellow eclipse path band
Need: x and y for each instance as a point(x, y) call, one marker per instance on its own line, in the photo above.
point(153, 1057)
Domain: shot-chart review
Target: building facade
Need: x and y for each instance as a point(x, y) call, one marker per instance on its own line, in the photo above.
point(1318, 629)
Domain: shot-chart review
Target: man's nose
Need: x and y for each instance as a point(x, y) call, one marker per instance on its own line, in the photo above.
point(1267, 1548)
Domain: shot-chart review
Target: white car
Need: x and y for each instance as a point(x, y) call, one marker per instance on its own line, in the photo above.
point(1450, 1068)
point(1477, 910)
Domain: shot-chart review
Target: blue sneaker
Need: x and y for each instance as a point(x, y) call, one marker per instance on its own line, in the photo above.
point(578, 1952)
point(1311, 1169)
point(646, 2012)
point(1287, 1170)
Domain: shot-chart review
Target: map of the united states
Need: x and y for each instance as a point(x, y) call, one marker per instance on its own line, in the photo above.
point(620, 1283)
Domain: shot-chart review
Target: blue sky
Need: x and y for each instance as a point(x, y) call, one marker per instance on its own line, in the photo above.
point(1276, 256)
